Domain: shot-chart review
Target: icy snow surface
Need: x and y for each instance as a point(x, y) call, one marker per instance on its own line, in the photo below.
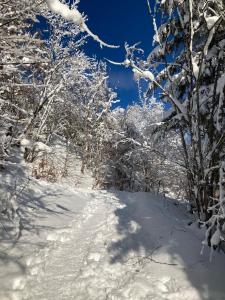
point(98, 245)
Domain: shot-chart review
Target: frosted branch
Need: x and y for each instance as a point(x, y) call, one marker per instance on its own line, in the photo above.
point(73, 15)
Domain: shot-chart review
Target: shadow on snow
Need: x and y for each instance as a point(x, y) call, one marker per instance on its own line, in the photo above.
point(156, 229)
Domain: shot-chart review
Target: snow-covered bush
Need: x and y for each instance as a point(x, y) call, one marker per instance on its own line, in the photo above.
point(130, 156)
point(187, 67)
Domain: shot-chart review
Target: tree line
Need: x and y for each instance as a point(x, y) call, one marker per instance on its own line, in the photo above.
point(49, 87)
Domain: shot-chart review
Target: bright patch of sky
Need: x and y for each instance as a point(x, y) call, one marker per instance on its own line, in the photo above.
point(117, 22)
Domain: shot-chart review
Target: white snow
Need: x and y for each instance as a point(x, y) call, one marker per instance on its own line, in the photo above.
point(39, 146)
point(211, 21)
point(25, 142)
point(143, 74)
point(93, 245)
point(156, 37)
point(209, 39)
point(195, 67)
point(73, 15)
point(36, 146)
point(62, 9)
point(149, 75)
point(127, 63)
point(127, 246)
point(215, 239)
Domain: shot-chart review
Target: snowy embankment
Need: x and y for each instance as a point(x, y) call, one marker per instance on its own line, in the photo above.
point(83, 244)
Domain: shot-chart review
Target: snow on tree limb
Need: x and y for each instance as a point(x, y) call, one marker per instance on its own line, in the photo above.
point(148, 75)
point(73, 15)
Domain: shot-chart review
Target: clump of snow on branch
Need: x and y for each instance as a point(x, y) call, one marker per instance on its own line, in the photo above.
point(73, 15)
point(143, 74)
point(211, 21)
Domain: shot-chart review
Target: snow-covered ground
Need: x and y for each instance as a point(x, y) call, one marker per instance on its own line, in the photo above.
point(94, 245)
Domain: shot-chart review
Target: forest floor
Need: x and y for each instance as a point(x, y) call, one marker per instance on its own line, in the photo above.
point(86, 244)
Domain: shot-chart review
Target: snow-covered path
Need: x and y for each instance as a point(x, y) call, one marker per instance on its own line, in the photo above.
point(80, 244)
point(126, 246)
point(80, 248)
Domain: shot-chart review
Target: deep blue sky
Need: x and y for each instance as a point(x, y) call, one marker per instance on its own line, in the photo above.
point(117, 22)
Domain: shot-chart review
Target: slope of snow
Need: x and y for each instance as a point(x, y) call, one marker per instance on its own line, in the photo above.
point(46, 209)
point(95, 245)
point(57, 208)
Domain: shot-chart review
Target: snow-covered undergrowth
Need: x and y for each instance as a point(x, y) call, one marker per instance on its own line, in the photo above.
point(94, 245)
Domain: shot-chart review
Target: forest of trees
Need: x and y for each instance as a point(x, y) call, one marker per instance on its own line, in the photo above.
point(50, 88)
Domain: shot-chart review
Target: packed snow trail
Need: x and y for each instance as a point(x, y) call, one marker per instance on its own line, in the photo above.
point(81, 244)
point(126, 246)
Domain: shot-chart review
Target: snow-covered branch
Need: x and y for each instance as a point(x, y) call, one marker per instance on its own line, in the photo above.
point(73, 15)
